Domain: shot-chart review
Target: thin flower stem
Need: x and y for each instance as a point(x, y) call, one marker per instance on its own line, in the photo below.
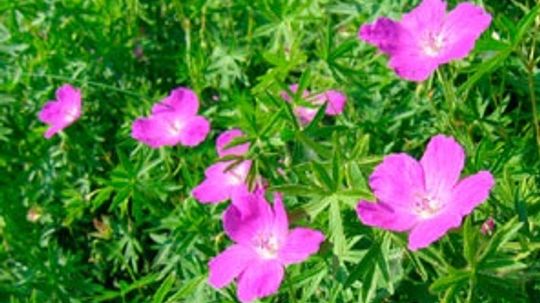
point(530, 79)
point(470, 292)
point(448, 91)
point(292, 297)
point(451, 100)
point(534, 110)
point(91, 83)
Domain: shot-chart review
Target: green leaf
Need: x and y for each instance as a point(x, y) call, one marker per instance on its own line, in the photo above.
point(470, 242)
point(127, 288)
point(186, 290)
point(318, 148)
point(336, 229)
point(493, 63)
point(298, 190)
point(163, 289)
point(455, 278)
point(323, 176)
point(365, 265)
point(316, 205)
point(503, 234)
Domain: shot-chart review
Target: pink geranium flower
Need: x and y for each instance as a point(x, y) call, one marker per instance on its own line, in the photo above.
point(63, 111)
point(426, 198)
point(263, 247)
point(173, 121)
point(427, 37)
point(225, 178)
point(335, 99)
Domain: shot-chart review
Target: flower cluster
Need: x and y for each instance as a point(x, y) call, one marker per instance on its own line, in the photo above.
point(425, 198)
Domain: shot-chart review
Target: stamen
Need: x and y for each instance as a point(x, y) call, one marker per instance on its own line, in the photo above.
point(427, 206)
point(175, 127)
point(432, 44)
point(266, 246)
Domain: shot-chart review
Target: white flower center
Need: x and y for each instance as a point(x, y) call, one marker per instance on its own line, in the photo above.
point(236, 175)
point(175, 126)
point(266, 246)
point(427, 206)
point(71, 114)
point(432, 44)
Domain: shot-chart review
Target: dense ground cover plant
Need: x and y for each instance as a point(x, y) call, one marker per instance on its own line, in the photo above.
point(94, 215)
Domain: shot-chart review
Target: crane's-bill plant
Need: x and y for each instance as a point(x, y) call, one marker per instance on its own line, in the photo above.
point(269, 151)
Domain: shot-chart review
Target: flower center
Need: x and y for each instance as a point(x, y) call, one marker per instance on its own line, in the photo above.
point(432, 44)
point(71, 114)
point(175, 126)
point(427, 206)
point(237, 174)
point(266, 246)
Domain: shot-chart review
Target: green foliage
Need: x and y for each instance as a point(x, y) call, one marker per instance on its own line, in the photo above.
point(93, 216)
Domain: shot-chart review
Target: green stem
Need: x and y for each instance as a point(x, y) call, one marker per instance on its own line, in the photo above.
point(448, 91)
point(534, 110)
point(451, 101)
point(472, 284)
point(292, 297)
point(532, 93)
point(91, 83)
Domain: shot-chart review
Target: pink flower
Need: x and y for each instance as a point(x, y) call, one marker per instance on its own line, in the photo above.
point(263, 247)
point(225, 178)
point(426, 198)
point(173, 121)
point(63, 111)
point(336, 102)
point(427, 37)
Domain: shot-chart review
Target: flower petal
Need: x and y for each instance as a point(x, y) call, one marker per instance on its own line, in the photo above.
point(431, 230)
point(49, 112)
point(384, 34)
point(397, 181)
point(216, 187)
point(229, 264)
point(181, 100)
point(429, 15)
point(62, 112)
point(249, 215)
point(305, 114)
point(384, 216)
point(281, 221)
point(442, 163)
point(53, 130)
point(211, 191)
point(336, 102)
point(225, 138)
point(471, 192)
point(410, 64)
point(462, 27)
point(69, 96)
point(259, 280)
point(194, 131)
point(300, 244)
point(153, 131)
